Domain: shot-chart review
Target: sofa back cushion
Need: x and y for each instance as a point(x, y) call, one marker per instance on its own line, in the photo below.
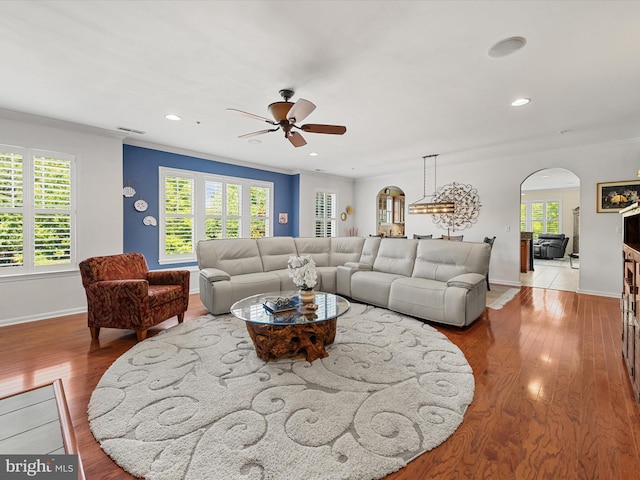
point(316, 248)
point(442, 259)
point(126, 266)
point(370, 250)
point(275, 252)
point(396, 255)
point(345, 249)
point(236, 256)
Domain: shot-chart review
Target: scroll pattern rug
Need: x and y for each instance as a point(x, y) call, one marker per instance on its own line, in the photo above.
point(195, 402)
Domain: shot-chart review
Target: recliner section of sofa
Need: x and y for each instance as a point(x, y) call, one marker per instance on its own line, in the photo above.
point(435, 280)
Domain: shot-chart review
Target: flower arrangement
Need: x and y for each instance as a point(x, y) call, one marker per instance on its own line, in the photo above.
point(303, 272)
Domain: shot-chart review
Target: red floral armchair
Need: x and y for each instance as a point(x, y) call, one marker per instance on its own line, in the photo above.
point(123, 293)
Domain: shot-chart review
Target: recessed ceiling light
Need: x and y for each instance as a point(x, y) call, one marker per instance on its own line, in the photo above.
point(507, 47)
point(520, 102)
point(313, 154)
point(254, 141)
point(171, 116)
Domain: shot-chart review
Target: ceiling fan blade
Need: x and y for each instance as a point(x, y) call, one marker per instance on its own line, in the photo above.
point(300, 110)
point(296, 139)
point(261, 132)
point(252, 115)
point(319, 128)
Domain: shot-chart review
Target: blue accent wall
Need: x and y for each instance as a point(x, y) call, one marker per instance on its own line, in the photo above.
point(140, 170)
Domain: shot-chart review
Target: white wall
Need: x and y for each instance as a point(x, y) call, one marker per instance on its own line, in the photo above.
point(310, 182)
point(99, 213)
point(498, 183)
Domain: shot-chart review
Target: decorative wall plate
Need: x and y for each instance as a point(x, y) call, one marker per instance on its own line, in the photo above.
point(128, 191)
point(140, 205)
point(343, 216)
point(349, 210)
point(150, 221)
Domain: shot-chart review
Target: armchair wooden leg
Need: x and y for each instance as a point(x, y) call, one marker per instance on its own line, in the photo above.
point(180, 317)
point(95, 332)
point(141, 334)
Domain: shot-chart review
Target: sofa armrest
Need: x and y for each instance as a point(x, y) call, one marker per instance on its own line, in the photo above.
point(344, 273)
point(466, 280)
point(214, 275)
point(168, 277)
point(358, 265)
point(125, 299)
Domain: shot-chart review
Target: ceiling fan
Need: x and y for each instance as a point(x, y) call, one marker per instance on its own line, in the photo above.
point(286, 114)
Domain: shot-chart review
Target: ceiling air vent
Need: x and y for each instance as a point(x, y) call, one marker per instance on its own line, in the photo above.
point(131, 130)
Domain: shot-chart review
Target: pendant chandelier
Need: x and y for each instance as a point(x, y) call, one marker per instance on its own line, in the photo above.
point(423, 206)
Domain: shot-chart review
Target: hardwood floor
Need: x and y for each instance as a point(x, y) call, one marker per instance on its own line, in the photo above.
point(552, 398)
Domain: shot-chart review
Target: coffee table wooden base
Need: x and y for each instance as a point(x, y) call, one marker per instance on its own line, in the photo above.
point(308, 339)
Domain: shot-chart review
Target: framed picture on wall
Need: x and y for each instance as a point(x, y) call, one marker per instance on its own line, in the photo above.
point(283, 218)
point(614, 196)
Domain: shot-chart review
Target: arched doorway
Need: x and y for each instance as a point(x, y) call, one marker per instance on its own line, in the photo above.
point(390, 207)
point(549, 215)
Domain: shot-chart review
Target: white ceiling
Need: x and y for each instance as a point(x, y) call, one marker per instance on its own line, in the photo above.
point(407, 78)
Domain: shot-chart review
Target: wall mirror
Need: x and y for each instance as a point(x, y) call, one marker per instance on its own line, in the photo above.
point(390, 208)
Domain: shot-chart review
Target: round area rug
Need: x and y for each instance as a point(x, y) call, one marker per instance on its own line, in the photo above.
point(195, 402)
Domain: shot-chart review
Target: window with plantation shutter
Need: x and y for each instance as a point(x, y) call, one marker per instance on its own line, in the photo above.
point(36, 211)
point(178, 222)
point(218, 207)
point(540, 216)
point(325, 222)
point(260, 212)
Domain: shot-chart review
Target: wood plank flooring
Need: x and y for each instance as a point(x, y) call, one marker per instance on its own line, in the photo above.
point(552, 399)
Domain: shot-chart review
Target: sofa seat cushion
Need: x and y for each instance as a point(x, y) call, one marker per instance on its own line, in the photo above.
point(161, 294)
point(372, 287)
point(419, 297)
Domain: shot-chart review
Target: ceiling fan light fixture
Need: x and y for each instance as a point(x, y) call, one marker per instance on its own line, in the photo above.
point(285, 115)
point(279, 110)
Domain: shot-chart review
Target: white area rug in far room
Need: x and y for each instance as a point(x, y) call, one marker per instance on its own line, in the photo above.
point(195, 402)
point(499, 296)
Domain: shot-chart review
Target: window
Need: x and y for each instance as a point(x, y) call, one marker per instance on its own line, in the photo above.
point(201, 206)
point(36, 211)
point(540, 216)
point(325, 214)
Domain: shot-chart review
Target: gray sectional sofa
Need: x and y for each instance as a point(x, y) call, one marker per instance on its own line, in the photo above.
point(436, 280)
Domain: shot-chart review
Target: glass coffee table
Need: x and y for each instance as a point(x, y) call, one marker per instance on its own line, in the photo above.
point(294, 332)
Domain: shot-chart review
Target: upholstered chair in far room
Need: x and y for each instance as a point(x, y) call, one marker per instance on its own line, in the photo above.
point(123, 293)
point(550, 245)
